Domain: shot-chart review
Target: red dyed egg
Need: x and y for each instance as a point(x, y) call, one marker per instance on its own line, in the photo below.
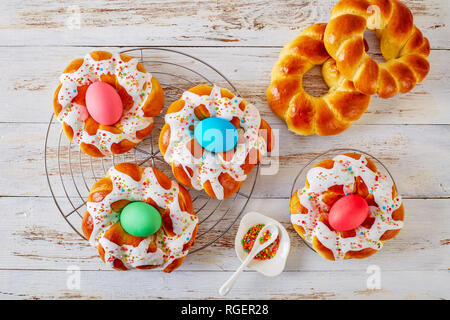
point(348, 213)
point(104, 103)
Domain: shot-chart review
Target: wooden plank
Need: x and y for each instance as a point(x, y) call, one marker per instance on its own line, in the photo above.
point(29, 85)
point(224, 23)
point(35, 236)
point(416, 156)
point(204, 285)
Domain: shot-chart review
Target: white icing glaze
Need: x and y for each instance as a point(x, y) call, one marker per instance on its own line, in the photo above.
point(168, 248)
point(128, 77)
point(211, 165)
point(344, 171)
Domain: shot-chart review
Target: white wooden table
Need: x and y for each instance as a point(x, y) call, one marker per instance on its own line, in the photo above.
point(409, 133)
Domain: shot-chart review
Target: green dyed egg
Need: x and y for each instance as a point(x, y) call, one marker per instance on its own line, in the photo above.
point(140, 219)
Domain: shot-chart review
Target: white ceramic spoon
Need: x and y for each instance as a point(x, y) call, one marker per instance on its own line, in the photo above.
point(257, 247)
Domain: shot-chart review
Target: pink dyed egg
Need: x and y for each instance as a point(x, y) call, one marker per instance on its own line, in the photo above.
point(84, 114)
point(348, 213)
point(103, 103)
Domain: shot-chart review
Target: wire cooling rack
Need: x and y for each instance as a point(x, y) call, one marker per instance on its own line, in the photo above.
point(71, 173)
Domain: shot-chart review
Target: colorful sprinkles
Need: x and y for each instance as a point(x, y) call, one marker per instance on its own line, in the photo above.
point(249, 239)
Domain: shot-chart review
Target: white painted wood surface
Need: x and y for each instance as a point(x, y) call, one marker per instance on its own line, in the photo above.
point(409, 133)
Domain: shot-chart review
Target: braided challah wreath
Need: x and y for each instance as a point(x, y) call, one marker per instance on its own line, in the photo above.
point(402, 45)
point(304, 114)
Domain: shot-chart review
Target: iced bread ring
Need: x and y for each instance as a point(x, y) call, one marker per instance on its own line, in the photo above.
point(220, 174)
point(126, 183)
point(330, 181)
point(141, 95)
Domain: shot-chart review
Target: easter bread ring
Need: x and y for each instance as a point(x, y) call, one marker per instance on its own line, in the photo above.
point(219, 174)
point(305, 114)
point(126, 183)
point(328, 182)
point(141, 95)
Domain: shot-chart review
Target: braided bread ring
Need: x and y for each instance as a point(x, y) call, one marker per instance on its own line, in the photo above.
point(304, 114)
point(401, 43)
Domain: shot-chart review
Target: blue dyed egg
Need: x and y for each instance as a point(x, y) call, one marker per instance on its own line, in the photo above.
point(216, 134)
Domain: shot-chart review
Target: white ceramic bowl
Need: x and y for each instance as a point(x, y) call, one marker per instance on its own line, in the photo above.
point(271, 267)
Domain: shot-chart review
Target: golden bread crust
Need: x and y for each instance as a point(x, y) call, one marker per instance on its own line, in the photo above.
point(304, 114)
point(401, 42)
